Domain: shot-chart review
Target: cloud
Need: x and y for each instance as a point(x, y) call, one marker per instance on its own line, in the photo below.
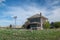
point(5, 22)
point(1, 3)
point(26, 11)
point(22, 13)
point(50, 4)
point(55, 16)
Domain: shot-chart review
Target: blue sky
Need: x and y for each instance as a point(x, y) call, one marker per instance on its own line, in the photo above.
point(23, 9)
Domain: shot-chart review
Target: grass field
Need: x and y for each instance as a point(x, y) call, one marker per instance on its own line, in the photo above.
point(12, 34)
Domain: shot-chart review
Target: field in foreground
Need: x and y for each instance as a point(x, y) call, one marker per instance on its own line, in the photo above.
point(12, 34)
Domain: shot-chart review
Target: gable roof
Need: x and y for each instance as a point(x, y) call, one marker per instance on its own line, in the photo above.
point(37, 15)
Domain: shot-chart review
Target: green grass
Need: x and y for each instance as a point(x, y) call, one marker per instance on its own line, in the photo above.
point(12, 34)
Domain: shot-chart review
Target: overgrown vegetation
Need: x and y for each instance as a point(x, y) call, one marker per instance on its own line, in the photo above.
point(15, 34)
point(55, 24)
point(46, 25)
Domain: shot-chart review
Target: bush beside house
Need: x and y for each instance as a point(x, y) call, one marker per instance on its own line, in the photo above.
point(46, 25)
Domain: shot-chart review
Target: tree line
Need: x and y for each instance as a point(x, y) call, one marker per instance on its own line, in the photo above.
point(51, 25)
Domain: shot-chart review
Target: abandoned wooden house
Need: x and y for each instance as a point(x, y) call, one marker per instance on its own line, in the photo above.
point(35, 22)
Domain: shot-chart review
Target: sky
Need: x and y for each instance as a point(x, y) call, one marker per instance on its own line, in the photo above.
point(24, 9)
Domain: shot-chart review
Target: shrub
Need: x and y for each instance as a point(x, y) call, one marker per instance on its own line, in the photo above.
point(56, 24)
point(46, 25)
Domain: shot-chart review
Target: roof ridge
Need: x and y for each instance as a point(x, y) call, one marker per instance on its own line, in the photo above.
point(36, 15)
